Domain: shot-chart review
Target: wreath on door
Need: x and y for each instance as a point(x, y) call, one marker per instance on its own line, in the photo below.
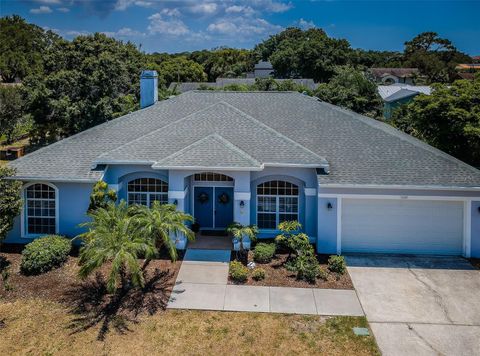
point(223, 198)
point(203, 198)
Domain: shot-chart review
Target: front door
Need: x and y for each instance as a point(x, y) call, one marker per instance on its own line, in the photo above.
point(223, 214)
point(213, 207)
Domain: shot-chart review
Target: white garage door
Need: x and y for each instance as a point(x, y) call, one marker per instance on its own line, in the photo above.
point(402, 226)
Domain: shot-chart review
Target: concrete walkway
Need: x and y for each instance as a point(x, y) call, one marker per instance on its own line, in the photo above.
point(202, 284)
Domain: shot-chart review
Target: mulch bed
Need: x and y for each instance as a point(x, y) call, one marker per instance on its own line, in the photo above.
point(278, 276)
point(55, 285)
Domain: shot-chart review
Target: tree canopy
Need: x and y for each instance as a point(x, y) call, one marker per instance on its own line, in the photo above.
point(448, 119)
point(308, 54)
point(86, 82)
point(176, 69)
point(11, 111)
point(350, 89)
point(10, 201)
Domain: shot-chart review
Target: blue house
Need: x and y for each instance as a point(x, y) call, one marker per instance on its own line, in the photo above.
point(355, 184)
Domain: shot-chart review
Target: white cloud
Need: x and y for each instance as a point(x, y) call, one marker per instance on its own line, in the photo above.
point(75, 33)
point(271, 5)
point(49, 2)
point(305, 25)
point(160, 25)
point(41, 10)
point(243, 27)
point(63, 9)
point(143, 3)
point(171, 12)
point(237, 9)
point(204, 8)
point(122, 5)
point(128, 32)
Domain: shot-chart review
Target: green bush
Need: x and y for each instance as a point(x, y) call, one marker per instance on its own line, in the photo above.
point(44, 254)
point(263, 252)
point(307, 267)
point(238, 272)
point(337, 264)
point(258, 274)
point(322, 274)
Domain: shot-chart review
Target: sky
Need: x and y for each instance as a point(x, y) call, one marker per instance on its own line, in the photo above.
point(187, 25)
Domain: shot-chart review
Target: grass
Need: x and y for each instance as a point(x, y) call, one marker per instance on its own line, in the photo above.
point(40, 327)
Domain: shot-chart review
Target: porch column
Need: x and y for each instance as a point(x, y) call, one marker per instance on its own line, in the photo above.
point(177, 197)
point(241, 207)
point(310, 227)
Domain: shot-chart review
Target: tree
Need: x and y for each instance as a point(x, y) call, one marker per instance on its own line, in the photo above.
point(88, 81)
point(115, 237)
point(224, 62)
point(21, 48)
point(434, 56)
point(162, 221)
point(178, 69)
point(350, 89)
point(10, 201)
point(448, 119)
point(11, 111)
point(101, 196)
point(311, 53)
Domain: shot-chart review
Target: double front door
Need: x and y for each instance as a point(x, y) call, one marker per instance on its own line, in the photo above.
point(213, 207)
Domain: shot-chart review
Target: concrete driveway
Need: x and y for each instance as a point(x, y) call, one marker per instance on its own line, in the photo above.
point(420, 305)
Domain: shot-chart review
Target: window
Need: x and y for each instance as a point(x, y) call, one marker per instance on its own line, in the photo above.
point(212, 177)
point(277, 201)
point(144, 191)
point(41, 216)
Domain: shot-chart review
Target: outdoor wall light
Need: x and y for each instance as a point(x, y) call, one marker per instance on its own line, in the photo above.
point(175, 202)
point(329, 206)
point(242, 204)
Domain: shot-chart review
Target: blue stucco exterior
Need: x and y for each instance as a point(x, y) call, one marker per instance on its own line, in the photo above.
point(475, 229)
point(319, 221)
point(73, 201)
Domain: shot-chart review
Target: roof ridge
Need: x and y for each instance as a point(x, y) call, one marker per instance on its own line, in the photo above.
point(156, 130)
point(217, 137)
point(379, 125)
point(275, 131)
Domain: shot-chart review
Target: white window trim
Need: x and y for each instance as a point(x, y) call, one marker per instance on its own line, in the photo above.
point(23, 225)
point(148, 194)
point(277, 211)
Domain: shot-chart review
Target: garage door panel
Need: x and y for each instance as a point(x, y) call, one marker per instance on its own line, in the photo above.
point(402, 226)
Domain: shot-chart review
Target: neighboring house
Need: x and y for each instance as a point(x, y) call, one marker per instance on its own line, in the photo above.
point(262, 69)
point(222, 82)
point(354, 183)
point(398, 94)
point(389, 76)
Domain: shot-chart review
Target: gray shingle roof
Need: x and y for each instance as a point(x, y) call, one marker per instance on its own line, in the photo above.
point(276, 127)
point(222, 82)
point(401, 94)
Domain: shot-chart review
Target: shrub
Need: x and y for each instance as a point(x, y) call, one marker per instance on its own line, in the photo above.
point(238, 272)
point(322, 274)
point(337, 264)
point(307, 267)
point(263, 252)
point(44, 254)
point(258, 274)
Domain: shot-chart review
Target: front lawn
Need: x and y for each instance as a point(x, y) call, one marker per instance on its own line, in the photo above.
point(56, 313)
point(40, 327)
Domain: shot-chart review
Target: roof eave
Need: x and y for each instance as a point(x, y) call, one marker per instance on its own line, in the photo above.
point(399, 186)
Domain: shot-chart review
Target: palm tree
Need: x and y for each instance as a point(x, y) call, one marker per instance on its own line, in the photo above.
point(239, 232)
point(162, 221)
point(114, 236)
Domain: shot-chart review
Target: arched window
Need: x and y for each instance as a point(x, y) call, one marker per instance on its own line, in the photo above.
point(41, 209)
point(145, 191)
point(277, 201)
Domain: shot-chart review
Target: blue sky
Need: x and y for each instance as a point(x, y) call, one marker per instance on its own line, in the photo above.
point(185, 25)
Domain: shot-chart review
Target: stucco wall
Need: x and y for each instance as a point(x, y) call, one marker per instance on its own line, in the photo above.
point(73, 201)
point(327, 220)
point(476, 229)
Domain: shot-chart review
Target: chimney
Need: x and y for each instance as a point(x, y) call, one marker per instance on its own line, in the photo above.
point(148, 88)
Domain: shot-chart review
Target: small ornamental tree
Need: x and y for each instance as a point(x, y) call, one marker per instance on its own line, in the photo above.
point(101, 196)
point(10, 201)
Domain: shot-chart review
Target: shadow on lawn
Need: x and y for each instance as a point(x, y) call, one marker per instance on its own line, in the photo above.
point(92, 305)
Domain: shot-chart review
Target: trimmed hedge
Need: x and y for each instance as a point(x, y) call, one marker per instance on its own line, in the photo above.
point(44, 254)
point(238, 272)
point(258, 274)
point(337, 264)
point(263, 252)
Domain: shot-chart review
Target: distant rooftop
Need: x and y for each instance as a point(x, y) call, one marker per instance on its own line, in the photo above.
point(398, 91)
point(398, 72)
